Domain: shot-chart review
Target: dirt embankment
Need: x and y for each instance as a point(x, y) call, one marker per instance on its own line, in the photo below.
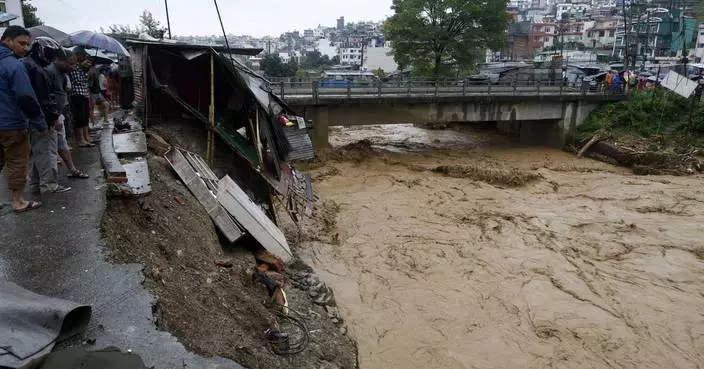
point(585, 266)
point(216, 310)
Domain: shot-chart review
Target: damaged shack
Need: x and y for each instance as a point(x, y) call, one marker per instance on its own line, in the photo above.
point(209, 88)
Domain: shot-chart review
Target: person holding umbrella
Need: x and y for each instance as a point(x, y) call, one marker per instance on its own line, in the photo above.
point(80, 99)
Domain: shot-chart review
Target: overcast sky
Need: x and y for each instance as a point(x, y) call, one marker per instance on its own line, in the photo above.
point(241, 17)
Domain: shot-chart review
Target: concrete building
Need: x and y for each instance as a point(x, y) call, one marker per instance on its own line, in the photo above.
point(656, 34)
point(350, 54)
point(309, 35)
point(341, 23)
point(603, 34)
point(380, 58)
point(13, 7)
point(326, 47)
point(570, 10)
point(699, 47)
point(543, 35)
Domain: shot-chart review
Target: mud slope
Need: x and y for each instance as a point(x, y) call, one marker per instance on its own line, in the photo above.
point(212, 310)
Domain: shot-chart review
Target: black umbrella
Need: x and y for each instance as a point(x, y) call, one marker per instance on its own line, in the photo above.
point(51, 32)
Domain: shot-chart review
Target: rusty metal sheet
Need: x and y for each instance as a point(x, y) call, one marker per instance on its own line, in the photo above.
point(200, 190)
point(253, 218)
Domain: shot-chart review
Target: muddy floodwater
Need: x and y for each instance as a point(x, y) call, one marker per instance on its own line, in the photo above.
point(589, 266)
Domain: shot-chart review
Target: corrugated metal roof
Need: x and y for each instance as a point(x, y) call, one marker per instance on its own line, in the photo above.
point(184, 46)
point(301, 144)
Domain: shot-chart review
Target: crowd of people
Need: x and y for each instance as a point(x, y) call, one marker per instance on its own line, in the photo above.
point(47, 97)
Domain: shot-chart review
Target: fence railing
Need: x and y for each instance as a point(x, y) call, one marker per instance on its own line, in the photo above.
point(325, 89)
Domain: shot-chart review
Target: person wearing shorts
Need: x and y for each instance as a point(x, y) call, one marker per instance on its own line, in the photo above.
point(80, 98)
point(58, 87)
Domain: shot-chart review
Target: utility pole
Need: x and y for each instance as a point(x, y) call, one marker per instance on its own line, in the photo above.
point(683, 24)
point(626, 25)
point(168, 20)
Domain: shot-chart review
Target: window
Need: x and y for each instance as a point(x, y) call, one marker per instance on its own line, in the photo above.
point(601, 33)
point(612, 33)
point(700, 46)
point(3, 7)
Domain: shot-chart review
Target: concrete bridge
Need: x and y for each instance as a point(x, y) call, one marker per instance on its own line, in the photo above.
point(540, 114)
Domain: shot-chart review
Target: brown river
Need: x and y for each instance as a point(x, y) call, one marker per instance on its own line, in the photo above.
point(589, 266)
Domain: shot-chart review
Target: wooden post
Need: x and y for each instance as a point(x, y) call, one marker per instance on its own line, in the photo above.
point(210, 152)
point(258, 139)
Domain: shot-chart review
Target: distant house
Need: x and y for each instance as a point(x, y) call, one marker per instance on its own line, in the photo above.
point(603, 34)
point(657, 34)
point(13, 7)
point(699, 49)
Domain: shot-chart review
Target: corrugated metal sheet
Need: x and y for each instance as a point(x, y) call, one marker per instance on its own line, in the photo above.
point(138, 74)
point(301, 144)
point(252, 218)
point(195, 183)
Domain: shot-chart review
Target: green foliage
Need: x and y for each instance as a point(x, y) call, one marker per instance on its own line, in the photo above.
point(273, 66)
point(151, 26)
point(29, 13)
point(147, 24)
point(379, 73)
point(315, 60)
point(648, 113)
point(440, 37)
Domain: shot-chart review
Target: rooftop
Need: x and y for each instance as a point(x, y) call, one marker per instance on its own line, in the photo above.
point(196, 47)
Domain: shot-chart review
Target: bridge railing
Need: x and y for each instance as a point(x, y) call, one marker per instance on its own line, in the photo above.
point(418, 88)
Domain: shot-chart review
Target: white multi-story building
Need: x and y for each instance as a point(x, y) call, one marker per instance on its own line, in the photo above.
point(570, 10)
point(13, 7)
point(350, 55)
point(380, 58)
point(699, 50)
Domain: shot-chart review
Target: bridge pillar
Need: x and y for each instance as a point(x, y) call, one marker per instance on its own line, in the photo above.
point(321, 123)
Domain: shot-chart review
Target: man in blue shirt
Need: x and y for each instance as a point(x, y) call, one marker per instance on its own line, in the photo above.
point(18, 103)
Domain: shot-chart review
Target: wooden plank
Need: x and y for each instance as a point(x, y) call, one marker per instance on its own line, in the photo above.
point(131, 143)
point(200, 190)
point(253, 218)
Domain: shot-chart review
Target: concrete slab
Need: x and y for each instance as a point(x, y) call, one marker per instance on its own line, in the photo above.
point(58, 251)
point(138, 182)
point(132, 143)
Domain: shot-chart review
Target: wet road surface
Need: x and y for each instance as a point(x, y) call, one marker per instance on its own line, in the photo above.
point(57, 251)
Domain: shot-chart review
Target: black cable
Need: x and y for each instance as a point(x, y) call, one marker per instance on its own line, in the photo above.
point(297, 347)
point(227, 43)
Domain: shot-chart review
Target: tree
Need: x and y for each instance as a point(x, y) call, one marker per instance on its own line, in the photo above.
point(273, 66)
point(379, 73)
point(438, 37)
point(121, 29)
point(315, 60)
point(29, 13)
point(151, 26)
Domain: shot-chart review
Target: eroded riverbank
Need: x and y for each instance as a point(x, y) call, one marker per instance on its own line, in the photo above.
point(588, 266)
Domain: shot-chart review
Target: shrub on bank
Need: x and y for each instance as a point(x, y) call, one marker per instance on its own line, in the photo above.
point(648, 113)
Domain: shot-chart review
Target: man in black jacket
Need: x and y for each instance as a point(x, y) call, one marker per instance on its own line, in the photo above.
point(44, 174)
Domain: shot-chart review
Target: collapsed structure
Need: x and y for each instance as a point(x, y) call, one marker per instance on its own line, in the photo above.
point(209, 87)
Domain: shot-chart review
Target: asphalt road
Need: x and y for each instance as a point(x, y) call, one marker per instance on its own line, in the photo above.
point(58, 251)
